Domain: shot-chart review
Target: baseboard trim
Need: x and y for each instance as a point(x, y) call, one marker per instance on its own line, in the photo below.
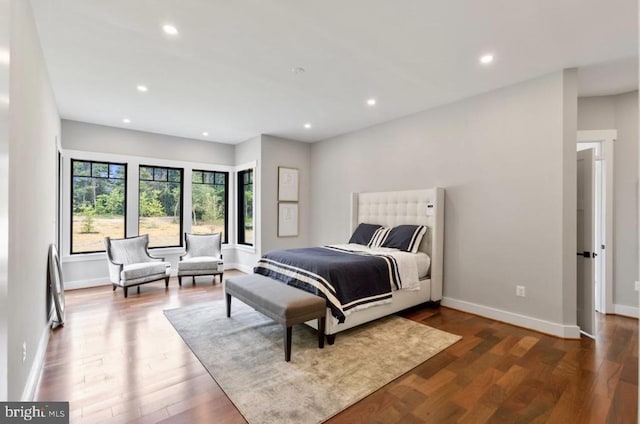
point(627, 311)
point(84, 284)
point(542, 326)
point(244, 268)
point(31, 385)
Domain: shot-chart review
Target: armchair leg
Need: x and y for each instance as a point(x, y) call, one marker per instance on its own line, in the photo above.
point(126, 290)
point(180, 281)
point(221, 275)
point(138, 289)
point(166, 283)
point(114, 287)
point(193, 280)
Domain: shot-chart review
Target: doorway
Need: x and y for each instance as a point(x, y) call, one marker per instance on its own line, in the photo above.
point(602, 143)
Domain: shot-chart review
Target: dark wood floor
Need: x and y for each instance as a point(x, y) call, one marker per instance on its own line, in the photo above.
point(119, 360)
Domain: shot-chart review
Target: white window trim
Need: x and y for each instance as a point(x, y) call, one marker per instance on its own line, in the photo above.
point(256, 207)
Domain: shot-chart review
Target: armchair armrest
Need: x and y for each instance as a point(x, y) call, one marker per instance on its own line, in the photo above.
point(155, 258)
point(115, 268)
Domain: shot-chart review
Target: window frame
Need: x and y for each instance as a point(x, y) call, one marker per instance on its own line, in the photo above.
point(226, 197)
point(181, 220)
point(124, 205)
point(240, 212)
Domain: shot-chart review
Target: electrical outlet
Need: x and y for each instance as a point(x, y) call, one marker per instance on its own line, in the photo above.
point(24, 352)
point(637, 286)
point(520, 291)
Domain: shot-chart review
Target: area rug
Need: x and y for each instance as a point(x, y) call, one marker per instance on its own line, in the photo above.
point(244, 354)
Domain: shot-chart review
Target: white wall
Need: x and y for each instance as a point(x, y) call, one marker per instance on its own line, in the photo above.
point(4, 195)
point(501, 158)
point(621, 113)
point(292, 154)
point(99, 138)
point(34, 126)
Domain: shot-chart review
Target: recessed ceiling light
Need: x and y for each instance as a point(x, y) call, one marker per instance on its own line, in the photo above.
point(170, 29)
point(126, 120)
point(205, 133)
point(142, 88)
point(307, 125)
point(298, 70)
point(486, 59)
point(371, 102)
point(5, 57)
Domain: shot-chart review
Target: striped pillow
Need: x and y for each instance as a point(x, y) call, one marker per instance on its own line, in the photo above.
point(405, 237)
point(364, 233)
point(379, 237)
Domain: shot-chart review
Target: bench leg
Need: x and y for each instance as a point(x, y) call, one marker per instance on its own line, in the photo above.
point(331, 338)
point(126, 290)
point(228, 296)
point(180, 281)
point(321, 322)
point(138, 289)
point(166, 283)
point(287, 344)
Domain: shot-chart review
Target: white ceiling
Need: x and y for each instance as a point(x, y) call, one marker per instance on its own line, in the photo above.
point(228, 72)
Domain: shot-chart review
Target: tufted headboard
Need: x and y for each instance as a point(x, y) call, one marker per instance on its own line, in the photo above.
point(416, 207)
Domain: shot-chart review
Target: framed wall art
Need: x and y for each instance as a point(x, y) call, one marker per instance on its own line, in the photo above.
point(288, 184)
point(287, 219)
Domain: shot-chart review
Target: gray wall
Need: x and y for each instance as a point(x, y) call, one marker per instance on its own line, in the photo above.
point(501, 158)
point(292, 154)
point(621, 113)
point(99, 138)
point(34, 126)
point(270, 152)
point(4, 198)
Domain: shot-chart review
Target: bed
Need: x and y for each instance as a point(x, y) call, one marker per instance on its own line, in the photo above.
point(392, 209)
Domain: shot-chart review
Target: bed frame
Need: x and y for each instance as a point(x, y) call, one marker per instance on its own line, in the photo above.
point(391, 208)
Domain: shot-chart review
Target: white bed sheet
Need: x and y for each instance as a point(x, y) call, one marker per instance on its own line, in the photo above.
point(410, 265)
point(424, 263)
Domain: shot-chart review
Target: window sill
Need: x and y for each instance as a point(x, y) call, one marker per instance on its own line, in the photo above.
point(84, 257)
point(245, 248)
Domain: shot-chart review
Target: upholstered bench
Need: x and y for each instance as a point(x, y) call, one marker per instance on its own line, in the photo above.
point(283, 304)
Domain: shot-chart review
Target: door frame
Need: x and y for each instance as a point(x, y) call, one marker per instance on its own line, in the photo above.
point(607, 137)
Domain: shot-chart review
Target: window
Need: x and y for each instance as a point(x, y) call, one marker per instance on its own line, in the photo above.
point(160, 205)
point(245, 207)
point(209, 203)
point(98, 204)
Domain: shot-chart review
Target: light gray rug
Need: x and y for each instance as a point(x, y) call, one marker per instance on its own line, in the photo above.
point(244, 354)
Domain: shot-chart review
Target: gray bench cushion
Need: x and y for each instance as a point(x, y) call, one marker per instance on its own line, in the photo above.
point(284, 304)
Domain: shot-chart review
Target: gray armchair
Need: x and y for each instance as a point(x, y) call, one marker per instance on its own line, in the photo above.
point(203, 257)
point(130, 263)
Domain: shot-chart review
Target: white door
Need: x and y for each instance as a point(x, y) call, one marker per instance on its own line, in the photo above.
point(586, 242)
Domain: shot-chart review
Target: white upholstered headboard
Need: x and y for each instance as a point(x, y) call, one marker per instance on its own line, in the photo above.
point(414, 207)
